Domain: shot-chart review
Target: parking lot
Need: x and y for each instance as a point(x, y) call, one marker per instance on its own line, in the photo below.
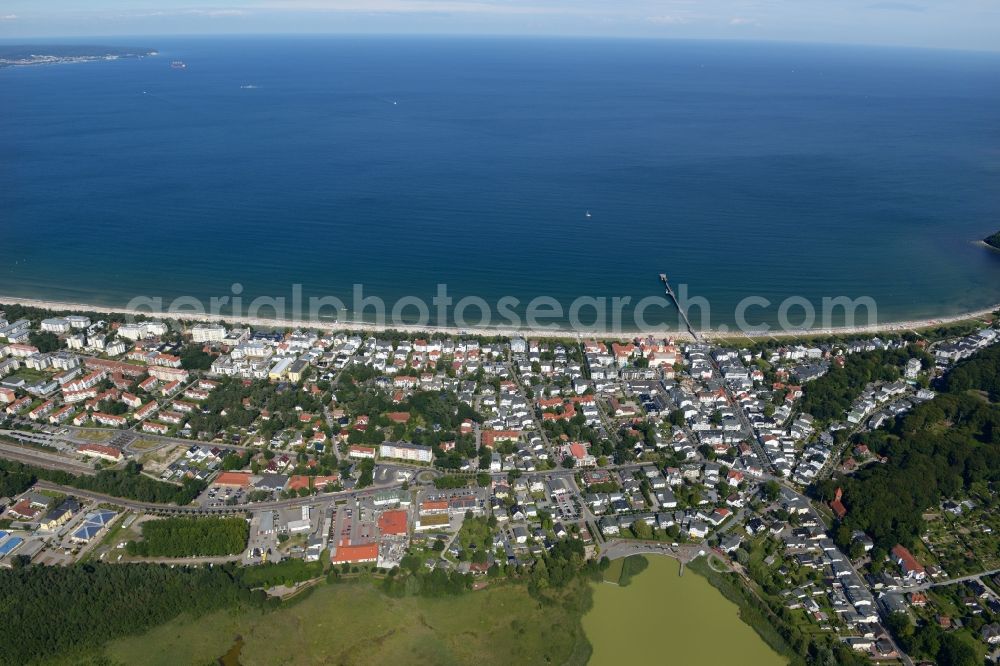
point(353, 523)
point(220, 495)
point(261, 545)
point(565, 507)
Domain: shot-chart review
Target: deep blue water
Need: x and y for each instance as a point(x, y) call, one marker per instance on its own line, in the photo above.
point(401, 163)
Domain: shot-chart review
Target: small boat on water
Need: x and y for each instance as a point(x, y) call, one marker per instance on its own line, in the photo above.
point(588, 213)
point(178, 64)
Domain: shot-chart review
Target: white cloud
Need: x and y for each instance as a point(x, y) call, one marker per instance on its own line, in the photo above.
point(9, 17)
point(212, 13)
point(741, 20)
point(421, 6)
point(667, 19)
point(894, 6)
point(215, 12)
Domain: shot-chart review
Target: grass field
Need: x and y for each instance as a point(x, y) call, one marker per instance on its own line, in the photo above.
point(143, 443)
point(614, 572)
point(94, 435)
point(356, 624)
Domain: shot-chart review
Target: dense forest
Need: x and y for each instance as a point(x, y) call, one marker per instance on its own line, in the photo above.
point(13, 312)
point(830, 397)
point(936, 451)
point(981, 372)
point(440, 408)
point(127, 483)
point(193, 357)
point(14, 482)
point(189, 537)
point(45, 341)
point(58, 611)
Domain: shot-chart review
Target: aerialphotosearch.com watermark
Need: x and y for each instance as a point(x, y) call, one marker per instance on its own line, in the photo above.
point(753, 315)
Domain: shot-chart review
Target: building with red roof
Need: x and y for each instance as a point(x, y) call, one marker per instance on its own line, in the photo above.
point(578, 451)
point(297, 481)
point(24, 509)
point(837, 506)
point(233, 479)
point(354, 554)
point(434, 506)
point(393, 522)
point(911, 568)
point(491, 437)
point(357, 451)
point(100, 451)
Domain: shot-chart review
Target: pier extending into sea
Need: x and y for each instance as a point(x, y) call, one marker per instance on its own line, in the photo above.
point(680, 309)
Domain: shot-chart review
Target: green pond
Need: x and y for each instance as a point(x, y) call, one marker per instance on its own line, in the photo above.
point(664, 618)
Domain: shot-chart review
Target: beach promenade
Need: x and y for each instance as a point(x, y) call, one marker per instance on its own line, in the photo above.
point(553, 332)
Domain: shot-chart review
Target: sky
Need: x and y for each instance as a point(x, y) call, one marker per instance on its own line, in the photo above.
point(960, 24)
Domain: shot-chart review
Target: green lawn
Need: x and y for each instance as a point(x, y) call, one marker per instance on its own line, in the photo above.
point(93, 435)
point(29, 375)
point(614, 572)
point(356, 624)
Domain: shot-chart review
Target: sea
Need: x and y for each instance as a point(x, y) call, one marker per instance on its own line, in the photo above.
point(540, 171)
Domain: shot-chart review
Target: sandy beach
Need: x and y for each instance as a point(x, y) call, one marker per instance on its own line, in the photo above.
point(547, 333)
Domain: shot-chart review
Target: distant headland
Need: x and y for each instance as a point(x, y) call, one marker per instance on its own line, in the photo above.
point(50, 54)
point(993, 241)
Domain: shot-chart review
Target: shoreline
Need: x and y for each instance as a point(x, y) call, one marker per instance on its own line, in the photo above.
point(490, 331)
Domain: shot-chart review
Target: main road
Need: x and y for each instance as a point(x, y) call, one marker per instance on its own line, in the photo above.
point(170, 509)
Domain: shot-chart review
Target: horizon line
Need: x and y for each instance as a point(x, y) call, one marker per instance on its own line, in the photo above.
point(79, 39)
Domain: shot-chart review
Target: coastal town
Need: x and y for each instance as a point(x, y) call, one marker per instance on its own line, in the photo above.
point(472, 456)
point(60, 54)
point(500, 333)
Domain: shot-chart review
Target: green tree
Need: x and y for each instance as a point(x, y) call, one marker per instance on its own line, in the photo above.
point(641, 530)
point(45, 341)
point(187, 537)
point(771, 490)
point(956, 652)
point(367, 475)
point(193, 357)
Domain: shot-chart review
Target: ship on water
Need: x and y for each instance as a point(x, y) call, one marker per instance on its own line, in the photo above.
point(178, 64)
